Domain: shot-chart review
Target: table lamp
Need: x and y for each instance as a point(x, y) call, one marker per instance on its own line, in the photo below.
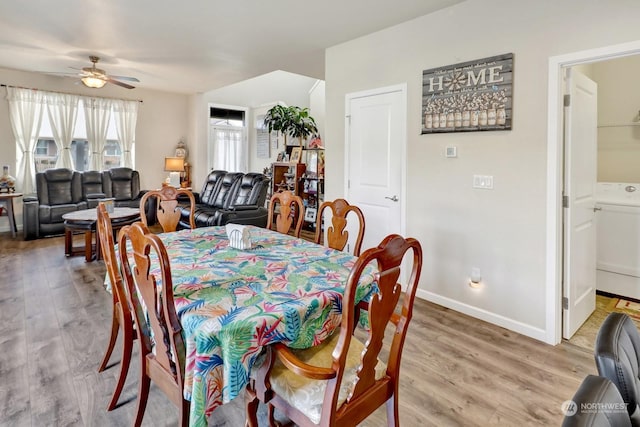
point(174, 165)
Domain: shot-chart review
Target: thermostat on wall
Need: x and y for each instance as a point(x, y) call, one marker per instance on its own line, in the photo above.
point(451, 152)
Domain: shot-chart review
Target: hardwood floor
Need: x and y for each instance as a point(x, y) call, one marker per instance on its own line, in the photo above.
point(54, 326)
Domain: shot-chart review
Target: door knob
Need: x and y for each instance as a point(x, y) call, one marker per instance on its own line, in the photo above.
point(596, 209)
point(393, 199)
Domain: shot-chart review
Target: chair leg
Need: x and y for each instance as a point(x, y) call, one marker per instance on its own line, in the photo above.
point(393, 419)
point(143, 394)
point(251, 407)
point(184, 413)
point(271, 417)
point(115, 328)
point(127, 348)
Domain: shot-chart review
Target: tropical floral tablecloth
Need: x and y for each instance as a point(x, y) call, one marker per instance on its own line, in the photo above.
point(233, 302)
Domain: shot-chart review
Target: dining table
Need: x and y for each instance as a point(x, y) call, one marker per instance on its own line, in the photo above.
point(231, 303)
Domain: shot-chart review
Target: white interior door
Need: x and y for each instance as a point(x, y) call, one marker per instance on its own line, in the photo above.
point(580, 141)
point(376, 147)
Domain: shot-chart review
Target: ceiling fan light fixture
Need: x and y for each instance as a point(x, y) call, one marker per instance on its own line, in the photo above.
point(93, 82)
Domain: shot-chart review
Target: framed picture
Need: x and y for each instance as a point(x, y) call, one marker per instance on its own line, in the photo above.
point(470, 96)
point(310, 215)
point(296, 155)
point(312, 163)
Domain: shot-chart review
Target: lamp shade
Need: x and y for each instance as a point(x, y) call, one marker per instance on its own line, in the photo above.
point(174, 164)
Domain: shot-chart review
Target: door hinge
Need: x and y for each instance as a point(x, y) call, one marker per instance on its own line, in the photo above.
point(348, 184)
point(565, 303)
point(565, 201)
point(567, 100)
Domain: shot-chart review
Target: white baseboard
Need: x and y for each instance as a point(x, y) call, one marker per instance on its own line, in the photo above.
point(487, 316)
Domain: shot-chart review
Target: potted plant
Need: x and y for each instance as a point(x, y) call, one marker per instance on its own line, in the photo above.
point(302, 124)
point(292, 121)
point(278, 119)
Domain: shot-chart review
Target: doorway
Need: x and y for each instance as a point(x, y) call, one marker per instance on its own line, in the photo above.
point(555, 177)
point(375, 152)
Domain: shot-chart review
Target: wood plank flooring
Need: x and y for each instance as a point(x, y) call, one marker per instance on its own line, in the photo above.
point(54, 326)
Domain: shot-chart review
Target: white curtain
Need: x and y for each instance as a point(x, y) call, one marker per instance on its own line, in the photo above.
point(228, 149)
point(63, 111)
point(97, 112)
point(126, 113)
point(25, 113)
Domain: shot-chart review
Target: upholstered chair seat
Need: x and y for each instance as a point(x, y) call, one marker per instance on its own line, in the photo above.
point(307, 395)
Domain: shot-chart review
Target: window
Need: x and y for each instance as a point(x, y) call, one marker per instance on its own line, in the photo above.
point(112, 154)
point(45, 154)
point(227, 139)
point(46, 151)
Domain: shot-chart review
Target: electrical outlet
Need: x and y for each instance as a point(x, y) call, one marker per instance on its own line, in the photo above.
point(484, 182)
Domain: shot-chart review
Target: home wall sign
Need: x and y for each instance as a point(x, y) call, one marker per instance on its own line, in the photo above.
point(469, 96)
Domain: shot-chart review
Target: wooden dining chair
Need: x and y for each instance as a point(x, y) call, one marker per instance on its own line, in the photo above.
point(291, 210)
point(343, 380)
point(168, 211)
point(337, 236)
point(162, 361)
point(121, 312)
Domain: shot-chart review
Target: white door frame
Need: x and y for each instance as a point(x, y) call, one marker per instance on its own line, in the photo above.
point(402, 144)
point(555, 145)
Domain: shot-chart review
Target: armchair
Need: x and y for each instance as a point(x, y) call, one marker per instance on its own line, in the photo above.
point(58, 191)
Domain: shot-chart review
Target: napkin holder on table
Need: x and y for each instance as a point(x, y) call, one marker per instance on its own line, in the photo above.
point(239, 236)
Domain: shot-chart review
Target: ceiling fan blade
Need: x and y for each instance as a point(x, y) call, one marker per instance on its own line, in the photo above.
point(119, 83)
point(62, 74)
point(125, 78)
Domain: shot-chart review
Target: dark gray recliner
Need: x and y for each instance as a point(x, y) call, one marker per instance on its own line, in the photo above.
point(123, 185)
point(58, 191)
point(230, 197)
point(617, 355)
point(596, 403)
point(92, 190)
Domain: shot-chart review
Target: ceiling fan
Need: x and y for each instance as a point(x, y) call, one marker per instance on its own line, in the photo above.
point(94, 77)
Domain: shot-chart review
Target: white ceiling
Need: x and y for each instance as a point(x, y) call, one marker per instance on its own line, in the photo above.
point(191, 46)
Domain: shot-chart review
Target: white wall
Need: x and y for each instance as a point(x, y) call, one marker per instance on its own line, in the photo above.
point(502, 231)
point(162, 122)
point(618, 119)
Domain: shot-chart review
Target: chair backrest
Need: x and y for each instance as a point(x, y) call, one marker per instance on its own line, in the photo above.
point(211, 185)
point(150, 281)
point(168, 212)
point(250, 189)
point(107, 246)
point(597, 402)
point(121, 183)
point(385, 307)
point(221, 196)
point(59, 187)
point(337, 235)
point(617, 354)
point(291, 207)
point(91, 183)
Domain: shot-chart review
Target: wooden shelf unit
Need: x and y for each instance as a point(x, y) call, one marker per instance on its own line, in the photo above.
point(286, 176)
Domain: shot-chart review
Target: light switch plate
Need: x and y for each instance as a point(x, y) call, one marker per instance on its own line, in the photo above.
point(451, 152)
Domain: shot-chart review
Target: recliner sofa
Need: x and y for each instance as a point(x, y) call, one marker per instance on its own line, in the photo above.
point(60, 191)
point(230, 197)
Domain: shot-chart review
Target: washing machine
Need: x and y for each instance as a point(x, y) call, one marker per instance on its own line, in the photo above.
point(618, 238)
